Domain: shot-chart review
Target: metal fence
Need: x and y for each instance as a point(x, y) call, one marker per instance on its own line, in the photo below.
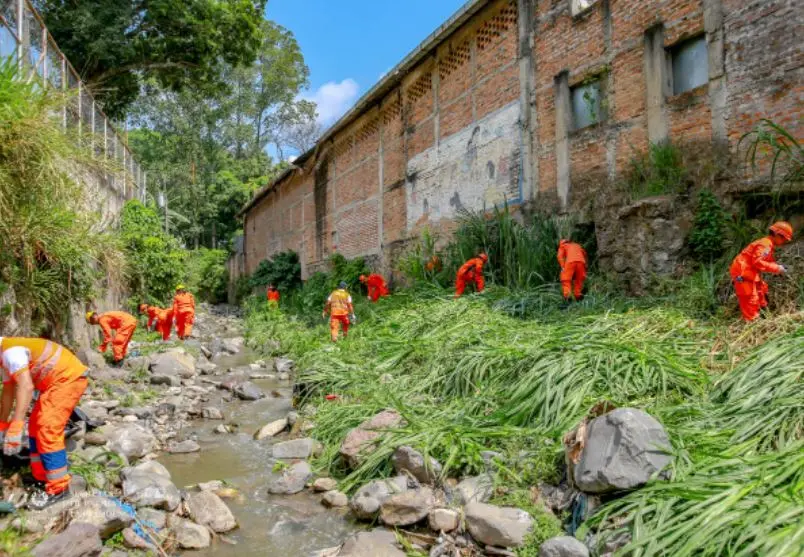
point(25, 40)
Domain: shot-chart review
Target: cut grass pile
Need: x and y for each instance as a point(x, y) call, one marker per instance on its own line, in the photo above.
point(469, 377)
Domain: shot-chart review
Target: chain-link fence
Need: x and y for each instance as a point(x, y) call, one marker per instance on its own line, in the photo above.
point(25, 40)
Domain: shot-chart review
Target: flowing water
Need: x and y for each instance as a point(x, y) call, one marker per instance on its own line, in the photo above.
point(295, 525)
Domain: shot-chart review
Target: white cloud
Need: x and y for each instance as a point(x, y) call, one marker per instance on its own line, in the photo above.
point(334, 99)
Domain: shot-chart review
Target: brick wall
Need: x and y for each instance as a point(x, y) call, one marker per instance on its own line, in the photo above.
point(485, 115)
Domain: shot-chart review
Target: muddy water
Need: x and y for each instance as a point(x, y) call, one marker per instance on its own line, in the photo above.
point(269, 525)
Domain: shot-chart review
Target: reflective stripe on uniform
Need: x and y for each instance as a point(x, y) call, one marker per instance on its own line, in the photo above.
point(56, 474)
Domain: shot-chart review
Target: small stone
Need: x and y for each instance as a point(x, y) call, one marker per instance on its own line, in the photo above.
point(283, 365)
point(475, 489)
point(296, 448)
point(130, 418)
point(444, 520)
point(132, 540)
point(211, 413)
point(189, 535)
point(283, 377)
point(152, 518)
point(563, 546)
point(368, 499)
point(248, 391)
point(222, 428)
point(408, 508)
point(183, 447)
point(324, 484)
point(361, 440)
point(210, 486)
point(498, 526)
point(207, 509)
point(291, 480)
point(271, 430)
point(77, 540)
point(334, 499)
point(376, 543)
point(145, 489)
point(293, 417)
point(408, 459)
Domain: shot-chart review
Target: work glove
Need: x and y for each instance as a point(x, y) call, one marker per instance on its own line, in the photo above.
point(783, 269)
point(12, 444)
point(353, 318)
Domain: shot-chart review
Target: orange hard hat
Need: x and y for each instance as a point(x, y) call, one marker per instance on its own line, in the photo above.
point(142, 308)
point(363, 278)
point(483, 256)
point(783, 229)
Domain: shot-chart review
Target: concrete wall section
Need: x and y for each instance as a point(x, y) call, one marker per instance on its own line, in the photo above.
point(474, 169)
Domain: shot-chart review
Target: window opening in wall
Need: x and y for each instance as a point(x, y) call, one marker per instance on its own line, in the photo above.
point(577, 6)
point(690, 65)
point(588, 107)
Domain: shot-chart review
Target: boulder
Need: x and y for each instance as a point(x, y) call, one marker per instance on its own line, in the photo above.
point(444, 520)
point(189, 535)
point(132, 441)
point(296, 448)
point(407, 508)
point(107, 374)
point(283, 365)
point(146, 489)
point(248, 391)
point(475, 489)
point(376, 543)
point(96, 437)
point(408, 459)
point(623, 449)
point(207, 509)
point(79, 539)
point(140, 412)
point(563, 546)
point(334, 498)
point(91, 358)
point(367, 501)
point(172, 363)
point(137, 363)
point(103, 514)
point(233, 345)
point(291, 480)
point(132, 540)
point(152, 518)
point(206, 368)
point(498, 526)
point(360, 441)
point(211, 413)
point(184, 447)
point(148, 467)
point(324, 484)
point(272, 429)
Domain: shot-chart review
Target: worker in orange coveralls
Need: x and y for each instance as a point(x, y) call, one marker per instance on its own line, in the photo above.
point(471, 272)
point(273, 296)
point(755, 259)
point(159, 319)
point(183, 312)
point(377, 287)
point(30, 364)
point(339, 307)
point(123, 326)
point(572, 259)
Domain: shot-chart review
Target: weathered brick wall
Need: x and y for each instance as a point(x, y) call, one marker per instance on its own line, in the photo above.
point(486, 115)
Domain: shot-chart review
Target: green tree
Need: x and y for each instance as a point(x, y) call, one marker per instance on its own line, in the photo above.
point(118, 45)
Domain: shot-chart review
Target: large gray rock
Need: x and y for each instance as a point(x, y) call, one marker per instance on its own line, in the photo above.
point(184, 447)
point(105, 374)
point(173, 363)
point(233, 345)
point(189, 535)
point(103, 514)
point(283, 365)
point(211, 413)
point(497, 526)
point(148, 467)
point(208, 509)
point(296, 448)
point(376, 543)
point(291, 480)
point(367, 501)
point(152, 518)
point(132, 440)
point(361, 440)
point(247, 391)
point(444, 520)
point(475, 489)
point(408, 459)
point(407, 508)
point(272, 429)
point(79, 539)
point(145, 489)
point(563, 546)
point(623, 449)
point(91, 358)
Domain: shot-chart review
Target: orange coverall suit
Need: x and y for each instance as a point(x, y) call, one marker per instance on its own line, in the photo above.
point(745, 271)
point(184, 311)
point(377, 287)
point(273, 297)
point(164, 320)
point(123, 325)
point(61, 379)
point(340, 306)
point(470, 272)
point(572, 259)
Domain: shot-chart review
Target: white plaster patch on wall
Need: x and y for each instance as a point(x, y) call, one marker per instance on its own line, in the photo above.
point(478, 167)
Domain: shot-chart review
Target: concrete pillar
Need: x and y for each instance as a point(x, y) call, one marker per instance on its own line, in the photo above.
point(563, 127)
point(528, 116)
point(656, 84)
point(713, 25)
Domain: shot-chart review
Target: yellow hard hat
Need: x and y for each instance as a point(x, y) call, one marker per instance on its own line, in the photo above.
point(179, 287)
point(89, 315)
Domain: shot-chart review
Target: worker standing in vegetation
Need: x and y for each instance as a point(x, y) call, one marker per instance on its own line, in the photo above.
point(273, 296)
point(184, 312)
point(159, 319)
point(377, 287)
point(572, 260)
point(755, 259)
point(30, 364)
point(471, 272)
point(340, 309)
point(122, 324)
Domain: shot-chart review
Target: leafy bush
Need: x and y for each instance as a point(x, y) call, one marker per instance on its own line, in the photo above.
point(708, 231)
point(52, 252)
point(156, 263)
point(207, 275)
point(282, 270)
point(659, 171)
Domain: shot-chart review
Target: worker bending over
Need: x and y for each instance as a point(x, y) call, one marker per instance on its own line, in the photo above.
point(184, 312)
point(572, 260)
point(30, 364)
point(755, 259)
point(377, 287)
point(273, 296)
point(339, 307)
point(159, 319)
point(122, 324)
point(471, 272)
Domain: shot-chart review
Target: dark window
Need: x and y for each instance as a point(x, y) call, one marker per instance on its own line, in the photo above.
point(690, 65)
point(587, 104)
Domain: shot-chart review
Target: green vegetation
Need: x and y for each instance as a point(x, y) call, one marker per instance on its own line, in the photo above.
point(207, 276)
point(771, 143)
point(13, 543)
point(282, 270)
point(52, 253)
point(660, 171)
point(708, 234)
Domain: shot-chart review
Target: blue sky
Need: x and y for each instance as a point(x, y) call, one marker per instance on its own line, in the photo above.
point(350, 44)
